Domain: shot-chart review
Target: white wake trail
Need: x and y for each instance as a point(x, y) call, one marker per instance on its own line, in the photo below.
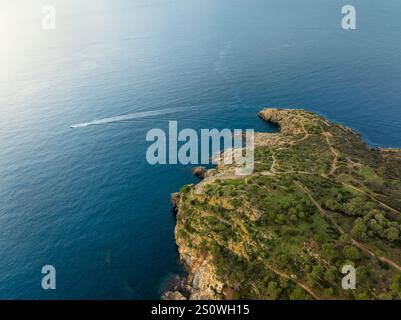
point(131, 116)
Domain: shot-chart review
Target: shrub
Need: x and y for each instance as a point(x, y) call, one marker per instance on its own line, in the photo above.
point(392, 234)
point(351, 253)
point(359, 230)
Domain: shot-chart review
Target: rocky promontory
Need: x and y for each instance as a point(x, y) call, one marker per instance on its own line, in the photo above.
point(318, 199)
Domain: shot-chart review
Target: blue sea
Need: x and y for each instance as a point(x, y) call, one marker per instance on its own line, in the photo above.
point(85, 200)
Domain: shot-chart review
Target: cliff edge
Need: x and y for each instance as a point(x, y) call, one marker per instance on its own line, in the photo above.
point(318, 199)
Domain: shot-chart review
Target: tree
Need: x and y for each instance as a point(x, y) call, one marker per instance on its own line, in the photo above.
point(395, 286)
point(351, 253)
point(299, 294)
point(379, 216)
point(332, 205)
point(359, 230)
point(317, 271)
point(329, 292)
point(362, 296)
point(392, 234)
point(375, 183)
point(329, 252)
point(372, 213)
point(331, 274)
point(362, 274)
point(356, 207)
point(313, 277)
point(376, 228)
point(273, 291)
point(280, 219)
point(283, 259)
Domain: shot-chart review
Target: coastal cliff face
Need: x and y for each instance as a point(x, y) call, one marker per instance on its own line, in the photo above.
point(318, 199)
point(201, 282)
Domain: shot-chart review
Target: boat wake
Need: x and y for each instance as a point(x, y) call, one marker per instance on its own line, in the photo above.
point(131, 116)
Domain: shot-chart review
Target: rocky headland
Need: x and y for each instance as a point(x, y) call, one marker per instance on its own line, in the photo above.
point(318, 199)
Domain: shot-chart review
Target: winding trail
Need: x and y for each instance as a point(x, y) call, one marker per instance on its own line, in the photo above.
point(297, 282)
point(274, 163)
point(358, 244)
point(335, 153)
point(371, 197)
point(307, 134)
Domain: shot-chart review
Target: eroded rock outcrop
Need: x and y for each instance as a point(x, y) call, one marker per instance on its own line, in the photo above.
point(314, 201)
point(199, 172)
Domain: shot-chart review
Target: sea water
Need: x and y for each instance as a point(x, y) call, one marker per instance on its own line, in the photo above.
point(76, 103)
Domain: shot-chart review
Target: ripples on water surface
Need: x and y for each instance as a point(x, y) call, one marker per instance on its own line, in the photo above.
point(84, 199)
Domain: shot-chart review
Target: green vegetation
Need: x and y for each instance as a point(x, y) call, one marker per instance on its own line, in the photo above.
point(319, 199)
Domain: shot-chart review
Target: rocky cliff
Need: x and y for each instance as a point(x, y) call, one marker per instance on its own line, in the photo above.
point(318, 199)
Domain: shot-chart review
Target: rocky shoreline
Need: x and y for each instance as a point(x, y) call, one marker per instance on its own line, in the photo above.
point(204, 279)
point(200, 273)
point(201, 282)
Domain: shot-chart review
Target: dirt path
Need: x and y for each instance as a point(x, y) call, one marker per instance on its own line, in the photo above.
point(366, 249)
point(319, 207)
point(307, 134)
point(358, 244)
point(372, 197)
point(335, 153)
point(297, 282)
point(274, 163)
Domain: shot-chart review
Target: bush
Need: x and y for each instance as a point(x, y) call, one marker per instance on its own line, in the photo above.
point(357, 206)
point(299, 294)
point(395, 286)
point(329, 292)
point(351, 253)
point(392, 234)
point(331, 274)
point(280, 219)
point(185, 189)
point(329, 252)
point(332, 205)
point(273, 291)
point(359, 230)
